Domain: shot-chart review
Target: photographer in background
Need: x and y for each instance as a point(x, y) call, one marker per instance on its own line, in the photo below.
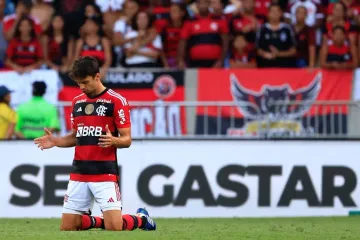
point(36, 114)
point(7, 114)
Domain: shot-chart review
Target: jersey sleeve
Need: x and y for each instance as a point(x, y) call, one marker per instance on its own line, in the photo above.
point(157, 43)
point(10, 49)
point(260, 40)
point(122, 113)
point(224, 27)
point(7, 24)
point(38, 28)
point(185, 31)
point(312, 36)
point(72, 123)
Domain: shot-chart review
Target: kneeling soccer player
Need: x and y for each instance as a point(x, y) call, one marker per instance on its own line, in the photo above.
point(101, 124)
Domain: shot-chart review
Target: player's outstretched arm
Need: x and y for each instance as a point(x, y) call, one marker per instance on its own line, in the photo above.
point(48, 140)
point(123, 141)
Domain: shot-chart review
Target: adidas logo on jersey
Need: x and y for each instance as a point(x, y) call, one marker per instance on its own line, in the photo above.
point(79, 109)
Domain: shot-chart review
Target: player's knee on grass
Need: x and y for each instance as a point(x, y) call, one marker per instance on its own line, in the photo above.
point(70, 222)
point(113, 220)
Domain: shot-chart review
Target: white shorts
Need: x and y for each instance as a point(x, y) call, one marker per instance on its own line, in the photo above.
point(80, 196)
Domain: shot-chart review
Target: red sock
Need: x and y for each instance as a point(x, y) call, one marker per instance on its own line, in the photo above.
point(131, 222)
point(89, 222)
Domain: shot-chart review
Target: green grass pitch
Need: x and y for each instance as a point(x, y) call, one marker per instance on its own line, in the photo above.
point(338, 228)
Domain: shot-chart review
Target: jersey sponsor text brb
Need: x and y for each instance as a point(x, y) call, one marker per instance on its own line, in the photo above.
point(89, 119)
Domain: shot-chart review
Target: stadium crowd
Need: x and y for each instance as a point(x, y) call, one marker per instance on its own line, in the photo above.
point(50, 34)
point(180, 33)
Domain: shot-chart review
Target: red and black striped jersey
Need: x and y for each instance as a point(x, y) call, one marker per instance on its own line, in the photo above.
point(338, 53)
point(350, 29)
point(170, 37)
point(204, 37)
point(96, 51)
point(24, 53)
point(89, 118)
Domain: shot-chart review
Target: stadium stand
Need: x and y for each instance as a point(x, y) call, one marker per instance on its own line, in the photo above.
point(175, 35)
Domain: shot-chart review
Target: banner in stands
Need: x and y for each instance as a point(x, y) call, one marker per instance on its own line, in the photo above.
point(21, 85)
point(161, 118)
point(273, 102)
point(201, 179)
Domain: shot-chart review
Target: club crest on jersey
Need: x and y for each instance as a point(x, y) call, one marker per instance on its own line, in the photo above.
point(101, 110)
point(89, 109)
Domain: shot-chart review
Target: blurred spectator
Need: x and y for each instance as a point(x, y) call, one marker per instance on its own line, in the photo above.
point(3, 41)
point(58, 54)
point(336, 53)
point(338, 18)
point(314, 17)
point(352, 6)
point(242, 56)
point(110, 5)
point(30, 125)
point(246, 23)
point(11, 21)
point(24, 52)
point(91, 10)
point(171, 33)
point(305, 37)
point(138, 54)
point(276, 44)
point(160, 9)
point(122, 26)
point(111, 10)
point(262, 9)
point(72, 12)
point(94, 44)
point(217, 8)
point(7, 114)
point(43, 12)
point(206, 39)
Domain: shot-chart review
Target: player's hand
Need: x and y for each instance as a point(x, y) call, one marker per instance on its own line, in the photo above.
point(107, 140)
point(45, 142)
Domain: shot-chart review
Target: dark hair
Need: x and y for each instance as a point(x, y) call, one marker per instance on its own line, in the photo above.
point(39, 88)
point(338, 28)
point(342, 4)
point(94, 5)
point(275, 5)
point(182, 8)
point(98, 23)
point(50, 31)
point(84, 67)
point(17, 28)
point(27, 3)
point(134, 20)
